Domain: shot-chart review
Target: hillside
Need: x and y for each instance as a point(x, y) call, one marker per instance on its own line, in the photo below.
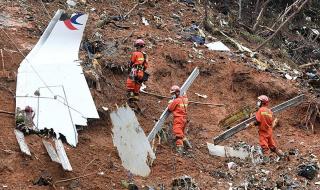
point(229, 78)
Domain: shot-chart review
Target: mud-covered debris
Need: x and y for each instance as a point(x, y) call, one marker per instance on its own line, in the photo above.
point(184, 183)
point(144, 21)
point(43, 180)
point(221, 174)
point(285, 181)
point(71, 3)
point(294, 152)
point(116, 68)
point(308, 171)
point(195, 34)
point(129, 185)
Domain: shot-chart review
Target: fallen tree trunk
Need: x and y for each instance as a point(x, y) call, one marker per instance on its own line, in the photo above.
point(282, 25)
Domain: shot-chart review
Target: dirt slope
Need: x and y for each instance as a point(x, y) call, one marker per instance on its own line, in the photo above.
point(224, 78)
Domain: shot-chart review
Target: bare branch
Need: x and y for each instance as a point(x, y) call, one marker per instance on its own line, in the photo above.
point(283, 24)
point(263, 8)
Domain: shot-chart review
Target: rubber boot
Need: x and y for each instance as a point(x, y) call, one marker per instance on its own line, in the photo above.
point(187, 143)
point(180, 150)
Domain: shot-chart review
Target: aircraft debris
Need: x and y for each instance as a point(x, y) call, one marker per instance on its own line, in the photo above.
point(222, 151)
point(217, 46)
point(62, 155)
point(240, 150)
point(243, 125)
point(51, 70)
point(145, 21)
point(166, 113)
point(71, 3)
point(51, 151)
point(132, 144)
point(235, 117)
point(22, 143)
point(184, 182)
point(43, 180)
point(309, 170)
point(232, 165)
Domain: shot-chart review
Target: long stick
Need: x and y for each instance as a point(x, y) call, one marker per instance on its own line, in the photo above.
point(70, 179)
point(1, 51)
point(6, 112)
point(191, 102)
point(126, 15)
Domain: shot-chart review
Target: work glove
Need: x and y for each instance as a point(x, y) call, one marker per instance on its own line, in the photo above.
point(249, 125)
point(170, 101)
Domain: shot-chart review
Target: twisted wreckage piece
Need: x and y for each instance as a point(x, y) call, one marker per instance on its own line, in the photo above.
point(131, 142)
point(46, 82)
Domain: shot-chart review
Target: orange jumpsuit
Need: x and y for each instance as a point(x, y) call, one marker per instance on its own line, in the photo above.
point(138, 62)
point(179, 108)
point(264, 117)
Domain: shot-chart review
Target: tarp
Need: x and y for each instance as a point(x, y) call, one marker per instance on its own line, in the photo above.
point(52, 69)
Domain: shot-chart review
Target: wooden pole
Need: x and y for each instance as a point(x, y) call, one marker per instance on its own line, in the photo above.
point(191, 102)
point(1, 51)
point(74, 178)
point(6, 112)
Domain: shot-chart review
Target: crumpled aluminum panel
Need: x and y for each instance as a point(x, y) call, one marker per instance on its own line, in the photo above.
point(132, 144)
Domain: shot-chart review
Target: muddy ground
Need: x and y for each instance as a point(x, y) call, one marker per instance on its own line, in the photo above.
point(224, 78)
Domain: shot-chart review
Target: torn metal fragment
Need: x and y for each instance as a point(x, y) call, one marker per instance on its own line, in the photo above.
point(63, 155)
point(22, 143)
point(51, 151)
point(132, 144)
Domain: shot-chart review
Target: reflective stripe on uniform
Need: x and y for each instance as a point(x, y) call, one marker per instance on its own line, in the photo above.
point(267, 114)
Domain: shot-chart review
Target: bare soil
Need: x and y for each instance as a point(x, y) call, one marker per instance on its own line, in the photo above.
point(224, 78)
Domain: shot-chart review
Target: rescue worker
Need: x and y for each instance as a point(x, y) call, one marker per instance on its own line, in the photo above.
point(24, 119)
point(178, 106)
point(138, 65)
point(264, 121)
